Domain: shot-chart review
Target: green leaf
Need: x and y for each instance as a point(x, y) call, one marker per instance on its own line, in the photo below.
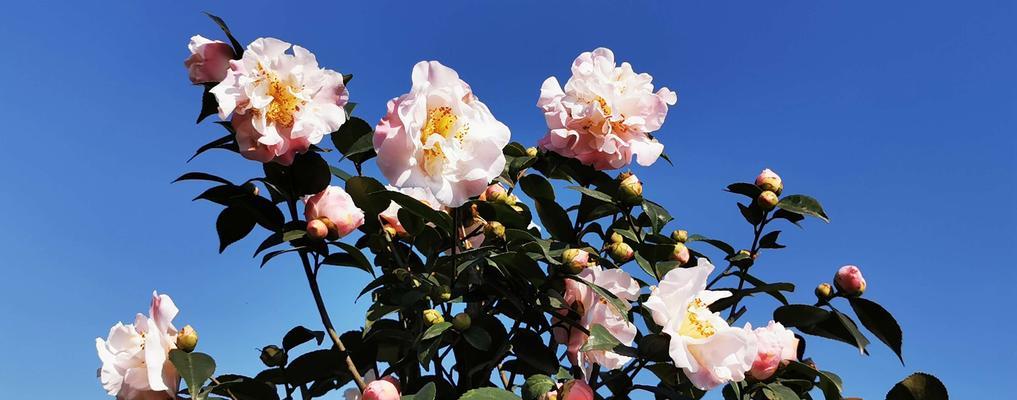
point(537, 385)
point(238, 50)
point(300, 335)
point(880, 322)
point(620, 306)
point(194, 367)
point(209, 105)
point(436, 330)
point(746, 189)
point(802, 204)
point(600, 339)
point(354, 140)
point(310, 173)
point(555, 220)
point(233, 224)
point(225, 142)
point(489, 393)
point(359, 260)
point(792, 217)
point(427, 392)
point(820, 322)
point(781, 392)
point(339, 173)
point(201, 176)
point(726, 248)
point(537, 187)
point(769, 241)
point(438, 218)
point(477, 337)
point(343, 259)
point(592, 193)
point(360, 189)
point(918, 386)
point(529, 347)
point(293, 235)
point(657, 214)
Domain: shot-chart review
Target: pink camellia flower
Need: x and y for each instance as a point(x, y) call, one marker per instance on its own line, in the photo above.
point(209, 60)
point(336, 205)
point(134, 356)
point(703, 345)
point(774, 343)
point(605, 113)
point(576, 389)
point(386, 388)
point(441, 137)
point(849, 280)
point(594, 310)
point(769, 180)
point(281, 103)
point(391, 214)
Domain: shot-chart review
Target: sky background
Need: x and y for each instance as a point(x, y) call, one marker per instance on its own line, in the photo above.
point(899, 116)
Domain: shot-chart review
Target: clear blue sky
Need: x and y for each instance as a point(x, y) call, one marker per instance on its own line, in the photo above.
point(899, 116)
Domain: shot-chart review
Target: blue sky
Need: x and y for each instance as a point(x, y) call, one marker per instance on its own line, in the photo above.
point(899, 116)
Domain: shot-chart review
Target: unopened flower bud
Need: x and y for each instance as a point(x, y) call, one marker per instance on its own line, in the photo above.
point(391, 231)
point(576, 390)
point(461, 321)
point(333, 229)
point(616, 238)
point(273, 356)
point(849, 281)
point(767, 200)
point(824, 291)
point(680, 236)
point(251, 188)
point(630, 190)
point(620, 252)
point(494, 230)
point(443, 293)
point(316, 229)
point(187, 339)
point(495, 192)
point(769, 180)
point(432, 316)
point(575, 259)
point(531, 151)
point(511, 200)
point(680, 253)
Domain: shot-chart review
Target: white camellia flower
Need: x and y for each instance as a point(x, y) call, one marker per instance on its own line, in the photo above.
point(134, 356)
point(283, 103)
point(441, 137)
point(710, 351)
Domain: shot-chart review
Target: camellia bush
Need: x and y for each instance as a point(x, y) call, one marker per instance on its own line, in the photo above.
point(476, 292)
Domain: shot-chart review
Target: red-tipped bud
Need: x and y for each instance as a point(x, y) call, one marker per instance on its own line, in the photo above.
point(680, 253)
point(769, 180)
point(575, 259)
point(849, 281)
point(620, 252)
point(767, 200)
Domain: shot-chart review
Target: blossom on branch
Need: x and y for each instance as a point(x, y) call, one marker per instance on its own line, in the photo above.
point(703, 345)
point(595, 310)
point(604, 114)
point(134, 357)
point(441, 137)
point(281, 103)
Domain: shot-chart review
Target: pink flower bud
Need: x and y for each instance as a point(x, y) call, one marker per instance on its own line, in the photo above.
point(849, 281)
point(575, 259)
point(336, 205)
point(767, 200)
point(620, 252)
point(774, 344)
point(630, 188)
point(576, 390)
point(316, 229)
point(383, 389)
point(680, 253)
point(493, 192)
point(209, 60)
point(769, 180)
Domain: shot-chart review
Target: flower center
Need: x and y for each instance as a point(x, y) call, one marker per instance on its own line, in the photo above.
point(285, 103)
point(603, 105)
point(440, 121)
point(694, 325)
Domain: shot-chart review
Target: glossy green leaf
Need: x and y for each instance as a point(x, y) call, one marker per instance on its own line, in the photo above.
point(194, 367)
point(436, 330)
point(477, 337)
point(427, 392)
point(300, 335)
point(880, 322)
point(802, 204)
point(537, 187)
point(918, 386)
point(489, 393)
point(536, 386)
point(232, 225)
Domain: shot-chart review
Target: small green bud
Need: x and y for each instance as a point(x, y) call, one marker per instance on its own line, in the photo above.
point(432, 316)
point(461, 321)
point(443, 293)
point(620, 252)
point(680, 235)
point(532, 151)
point(187, 339)
point(494, 230)
point(575, 259)
point(767, 200)
point(630, 190)
point(824, 291)
point(680, 253)
point(616, 238)
point(273, 356)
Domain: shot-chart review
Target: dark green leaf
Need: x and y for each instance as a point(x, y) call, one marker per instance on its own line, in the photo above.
point(657, 214)
point(489, 393)
point(436, 330)
point(555, 220)
point(792, 217)
point(592, 193)
point(621, 307)
point(427, 392)
point(747, 189)
point(781, 392)
point(310, 173)
point(300, 335)
point(354, 140)
point(802, 204)
point(600, 339)
point(238, 50)
point(537, 385)
point(202, 177)
point(880, 322)
point(726, 248)
point(438, 218)
point(537, 187)
point(209, 105)
point(918, 386)
point(477, 337)
point(769, 241)
point(530, 349)
point(225, 142)
point(232, 225)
